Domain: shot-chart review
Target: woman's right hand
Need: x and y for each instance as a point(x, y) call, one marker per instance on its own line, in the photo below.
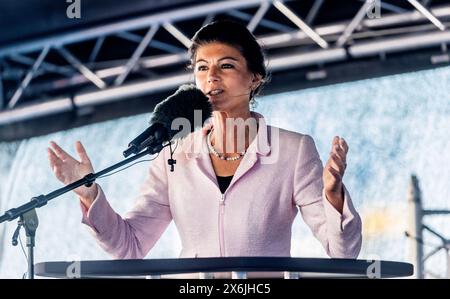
point(68, 170)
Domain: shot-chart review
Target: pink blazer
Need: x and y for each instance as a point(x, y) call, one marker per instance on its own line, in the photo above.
point(280, 174)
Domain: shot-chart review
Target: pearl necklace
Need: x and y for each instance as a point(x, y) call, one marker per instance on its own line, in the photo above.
point(221, 156)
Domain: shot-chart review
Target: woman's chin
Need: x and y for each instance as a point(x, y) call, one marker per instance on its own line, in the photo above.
point(213, 105)
point(216, 103)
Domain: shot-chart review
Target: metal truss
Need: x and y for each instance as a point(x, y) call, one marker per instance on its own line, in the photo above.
point(416, 230)
point(33, 84)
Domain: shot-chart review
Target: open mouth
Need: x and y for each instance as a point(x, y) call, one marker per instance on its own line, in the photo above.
point(214, 92)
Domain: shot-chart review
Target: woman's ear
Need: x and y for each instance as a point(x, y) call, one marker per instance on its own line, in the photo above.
point(257, 78)
point(256, 81)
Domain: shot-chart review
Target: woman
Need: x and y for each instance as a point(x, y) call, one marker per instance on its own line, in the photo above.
point(235, 197)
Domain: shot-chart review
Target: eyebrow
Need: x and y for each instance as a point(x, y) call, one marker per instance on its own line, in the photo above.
point(223, 58)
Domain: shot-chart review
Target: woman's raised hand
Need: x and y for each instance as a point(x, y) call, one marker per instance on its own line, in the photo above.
point(67, 169)
point(333, 173)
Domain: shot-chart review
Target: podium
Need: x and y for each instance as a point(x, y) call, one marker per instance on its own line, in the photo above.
point(226, 267)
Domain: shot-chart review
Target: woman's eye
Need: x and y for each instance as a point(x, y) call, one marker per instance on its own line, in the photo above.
point(201, 68)
point(227, 66)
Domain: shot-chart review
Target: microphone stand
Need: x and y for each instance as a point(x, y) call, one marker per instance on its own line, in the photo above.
point(27, 212)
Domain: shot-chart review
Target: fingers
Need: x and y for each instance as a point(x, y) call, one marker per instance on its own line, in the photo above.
point(340, 143)
point(335, 140)
point(55, 164)
point(60, 153)
point(82, 153)
point(54, 160)
point(343, 145)
point(337, 150)
point(340, 148)
point(334, 173)
point(336, 163)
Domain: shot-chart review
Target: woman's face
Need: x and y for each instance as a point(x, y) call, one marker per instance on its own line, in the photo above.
point(221, 73)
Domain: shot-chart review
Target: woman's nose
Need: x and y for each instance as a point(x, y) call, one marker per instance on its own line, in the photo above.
point(213, 75)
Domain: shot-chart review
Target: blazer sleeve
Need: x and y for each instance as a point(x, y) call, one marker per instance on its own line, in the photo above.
point(134, 235)
point(340, 234)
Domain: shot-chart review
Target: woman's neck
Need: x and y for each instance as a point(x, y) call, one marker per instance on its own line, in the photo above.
point(233, 133)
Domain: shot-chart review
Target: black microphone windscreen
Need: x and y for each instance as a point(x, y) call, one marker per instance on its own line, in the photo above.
point(182, 104)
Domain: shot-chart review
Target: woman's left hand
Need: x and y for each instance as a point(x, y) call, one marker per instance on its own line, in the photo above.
point(333, 173)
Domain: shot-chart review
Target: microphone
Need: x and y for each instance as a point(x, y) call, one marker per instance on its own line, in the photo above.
point(182, 104)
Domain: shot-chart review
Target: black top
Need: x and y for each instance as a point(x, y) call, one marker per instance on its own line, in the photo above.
point(224, 182)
